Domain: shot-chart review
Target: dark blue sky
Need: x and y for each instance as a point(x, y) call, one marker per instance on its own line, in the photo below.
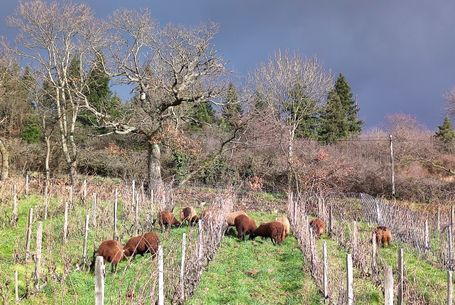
point(399, 56)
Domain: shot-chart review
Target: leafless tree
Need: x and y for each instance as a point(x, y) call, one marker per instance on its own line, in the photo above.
point(292, 87)
point(59, 41)
point(450, 98)
point(6, 63)
point(170, 68)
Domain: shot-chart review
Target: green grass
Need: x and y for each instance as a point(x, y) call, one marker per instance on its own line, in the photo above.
point(256, 272)
point(78, 286)
point(365, 291)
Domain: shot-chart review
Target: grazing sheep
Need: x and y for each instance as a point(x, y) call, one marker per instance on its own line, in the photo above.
point(167, 220)
point(287, 226)
point(383, 236)
point(147, 243)
point(318, 226)
point(274, 230)
point(189, 215)
point(112, 252)
point(244, 225)
point(230, 218)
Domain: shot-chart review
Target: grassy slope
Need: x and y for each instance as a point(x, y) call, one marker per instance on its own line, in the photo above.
point(78, 287)
point(256, 272)
point(365, 291)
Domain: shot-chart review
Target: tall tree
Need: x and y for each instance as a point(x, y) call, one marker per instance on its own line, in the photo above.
point(277, 80)
point(99, 93)
point(232, 109)
point(334, 123)
point(60, 39)
point(305, 108)
point(351, 109)
point(170, 68)
point(446, 134)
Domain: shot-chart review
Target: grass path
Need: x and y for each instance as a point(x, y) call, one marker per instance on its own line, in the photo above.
point(256, 272)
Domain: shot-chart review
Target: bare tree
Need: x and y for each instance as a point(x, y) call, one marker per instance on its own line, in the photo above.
point(292, 87)
point(170, 68)
point(450, 98)
point(60, 41)
point(6, 63)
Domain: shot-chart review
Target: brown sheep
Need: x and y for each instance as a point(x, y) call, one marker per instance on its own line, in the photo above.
point(287, 226)
point(167, 220)
point(147, 243)
point(318, 226)
point(244, 225)
point(274, 230)
point(383, 236)
point(111, 251)
point(230, 218)
point(189, 215)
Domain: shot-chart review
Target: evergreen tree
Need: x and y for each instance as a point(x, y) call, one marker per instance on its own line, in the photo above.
point(446, 135)
point(202, 114)
point(99, 93)
point(334, 124)
point(231, 110)
point(350, 107)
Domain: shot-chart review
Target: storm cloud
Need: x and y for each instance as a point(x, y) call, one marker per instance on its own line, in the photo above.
point(399, 56)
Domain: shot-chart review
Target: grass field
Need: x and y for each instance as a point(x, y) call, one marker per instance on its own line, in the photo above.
point(257, 272)
point(242, 272)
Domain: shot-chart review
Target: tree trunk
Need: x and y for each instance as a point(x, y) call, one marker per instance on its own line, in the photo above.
point(290, 156)
point(47, 161)
point(154, 167)
point(5, 165)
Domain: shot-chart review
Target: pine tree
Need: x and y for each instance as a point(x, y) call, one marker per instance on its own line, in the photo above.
point(99, 94)
point(231, 110)
point(202, 114)
point(446, 135)
point(350, 107)
point(334, 124)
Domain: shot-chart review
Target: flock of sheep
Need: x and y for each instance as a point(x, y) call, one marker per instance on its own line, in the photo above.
point(113, 252)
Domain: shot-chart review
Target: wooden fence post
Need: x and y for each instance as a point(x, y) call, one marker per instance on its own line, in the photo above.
point(29, 235)
point(84, 191)
point(16, 286)
point(133, 196)
point(374, 265)
point(392, 166)
point(330, 221)
point(450, 247)
point(426, 237)
point(438, 220)
point(27, 183)
point(94, 211)
point(200, 247)
point(182, 268)
point(46, 199)
point(65, 223)
point(400, 277)
point(388, 286)
point(99, 281)
point(355, 241)
point(115, 237)
point(39, 241)
point(452, 215)
point(15, 216)
point(136, 214)
point(325, 275)
point(349, 280)
point(160, 276)
point(449, 288)
point(84, 248)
